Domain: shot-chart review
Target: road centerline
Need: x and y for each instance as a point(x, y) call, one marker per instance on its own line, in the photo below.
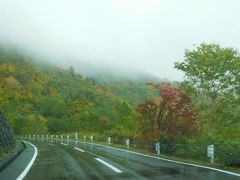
point(109, 165)
point(79, 149)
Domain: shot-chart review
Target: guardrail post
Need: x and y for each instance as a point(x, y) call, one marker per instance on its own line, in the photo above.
point(76, 139)
point(210, 152)
point(127, 143)
point(109, 140)
point(157, 147)
point(67, 139)
point(61, 138)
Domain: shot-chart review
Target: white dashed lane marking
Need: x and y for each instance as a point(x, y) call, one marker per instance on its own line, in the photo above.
point(109, 165)
point(64, 144)
point(79, 149)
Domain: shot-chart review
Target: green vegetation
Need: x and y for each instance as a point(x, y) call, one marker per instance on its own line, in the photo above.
point(7, 154)
point(133, 92)
point(185, 117)
point(46, 99)
point(213, 81)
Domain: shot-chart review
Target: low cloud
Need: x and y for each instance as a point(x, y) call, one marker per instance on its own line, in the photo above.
point(121, 36)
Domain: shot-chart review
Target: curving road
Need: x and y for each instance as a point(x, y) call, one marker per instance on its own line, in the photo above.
point(90, 161)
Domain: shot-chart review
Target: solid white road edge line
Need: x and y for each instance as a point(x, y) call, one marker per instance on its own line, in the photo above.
point(24, 173)
point(79, 149)
point(63, 144)
point(109, 165)
point(164, 159)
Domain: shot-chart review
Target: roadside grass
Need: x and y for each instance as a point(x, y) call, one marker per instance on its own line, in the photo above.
point(4, 154)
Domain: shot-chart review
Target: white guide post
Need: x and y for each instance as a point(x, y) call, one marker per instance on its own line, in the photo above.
point(157, 147)
point(109, 140)
point(76, 139)
point(127, 143)
point(210, 152)
point(67, 139)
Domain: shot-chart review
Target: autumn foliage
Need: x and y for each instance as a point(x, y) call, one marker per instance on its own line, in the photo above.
point(40, 99)
point(170, 118)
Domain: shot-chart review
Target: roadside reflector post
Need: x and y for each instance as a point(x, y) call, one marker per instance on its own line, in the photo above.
point(157, 147)
point(127, 143)
point(34, 137)
point(76, 136)
point(42, 137)
point(84, 138)
point(67, 139)
point(29, 136)
point(91, 138)
point(210, 152)
point(61, 138)
point(47, 137)
point(76, 139)
point(38, 137)
point(109, 140)
point(56, 138)
point(52, 137)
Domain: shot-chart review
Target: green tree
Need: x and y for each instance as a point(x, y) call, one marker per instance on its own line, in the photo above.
point(212, 70)
point(212, 75)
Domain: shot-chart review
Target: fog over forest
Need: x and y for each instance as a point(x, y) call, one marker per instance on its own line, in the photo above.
point(119, 37)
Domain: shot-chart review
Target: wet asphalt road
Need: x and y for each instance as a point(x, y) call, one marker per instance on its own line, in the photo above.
point(13, 170)
point(58, 161)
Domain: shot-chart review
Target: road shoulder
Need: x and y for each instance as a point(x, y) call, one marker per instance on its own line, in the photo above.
point(11, 155)
point(18, 166)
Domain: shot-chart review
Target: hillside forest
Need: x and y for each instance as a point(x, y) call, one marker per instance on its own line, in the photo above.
point(39, 98)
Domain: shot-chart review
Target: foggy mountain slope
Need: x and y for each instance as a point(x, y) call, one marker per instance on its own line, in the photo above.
point(50, 99)
point(128, 84)
point(104, 73)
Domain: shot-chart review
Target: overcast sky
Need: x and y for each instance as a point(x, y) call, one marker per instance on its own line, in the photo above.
point(145, 35)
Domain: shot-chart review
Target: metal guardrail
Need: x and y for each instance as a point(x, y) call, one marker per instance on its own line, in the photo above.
point(7, 139)
point(227, 154)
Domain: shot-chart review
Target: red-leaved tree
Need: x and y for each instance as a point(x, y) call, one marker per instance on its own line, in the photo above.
point(148, 110)
point(171, 118)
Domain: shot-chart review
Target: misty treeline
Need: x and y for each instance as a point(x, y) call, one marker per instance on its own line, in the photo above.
point(202, 109)
point(40, 99)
